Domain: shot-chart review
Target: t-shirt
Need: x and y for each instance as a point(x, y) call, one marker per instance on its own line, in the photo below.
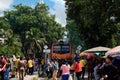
point(2, 63)
point(42, 61)
point(77, 67)
point(83, 62)
point(30, 63)
point(65, 69)
point(17, 62)
point(22, 63)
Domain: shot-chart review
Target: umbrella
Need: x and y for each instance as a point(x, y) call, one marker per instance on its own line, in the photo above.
point(82, 54)
point(97, 49)
point(113, 52)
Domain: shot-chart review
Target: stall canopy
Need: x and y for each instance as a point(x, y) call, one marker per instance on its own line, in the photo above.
point(98, 49)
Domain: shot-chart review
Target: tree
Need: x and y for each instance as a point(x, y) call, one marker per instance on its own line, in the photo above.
point(4, 24)
point(11, 45)
point(34, 42)
point(48, 25)
point(35, 26)
point(93, 19)
point(73, 36)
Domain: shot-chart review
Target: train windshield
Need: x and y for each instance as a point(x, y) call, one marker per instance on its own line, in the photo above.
point(62, 49)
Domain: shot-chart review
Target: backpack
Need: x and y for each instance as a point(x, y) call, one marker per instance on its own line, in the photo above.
point(55, 66)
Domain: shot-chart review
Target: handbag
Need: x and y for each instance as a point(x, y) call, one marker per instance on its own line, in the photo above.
point(70, 77)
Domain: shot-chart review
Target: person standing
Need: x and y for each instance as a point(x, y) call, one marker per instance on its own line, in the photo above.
point(8, 66)
point(21, 69)
point(26, 66)
point(65, 68)
point(42, 63)
point(2, 67)
point(83, 63)
point(49, 70)
point(39, 65)
point(55, 66)
point(33, 62)
point(77, 67)
point(96, 75)
point(16, 65)
point(109, 71)
point(30, 66)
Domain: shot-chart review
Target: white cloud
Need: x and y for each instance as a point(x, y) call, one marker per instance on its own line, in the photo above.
point(59, 11)
point(41, 1)
point(5, 4)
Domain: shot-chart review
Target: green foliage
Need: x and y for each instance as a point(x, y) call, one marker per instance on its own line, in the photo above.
point(28, 29)
point(74, 37)
point(4, 25)
point(93, 20)
point(11, 45)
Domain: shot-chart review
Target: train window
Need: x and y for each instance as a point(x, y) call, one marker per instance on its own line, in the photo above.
point(57, 49)
point(61, 49)
point(65, 48)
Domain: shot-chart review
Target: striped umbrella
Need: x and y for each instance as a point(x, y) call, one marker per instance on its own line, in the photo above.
point(113, 52)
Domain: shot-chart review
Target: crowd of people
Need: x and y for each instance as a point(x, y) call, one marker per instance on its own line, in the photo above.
point(18, 66)
point(97, 68)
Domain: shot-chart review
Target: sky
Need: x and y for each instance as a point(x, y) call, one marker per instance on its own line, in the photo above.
point(57, 7)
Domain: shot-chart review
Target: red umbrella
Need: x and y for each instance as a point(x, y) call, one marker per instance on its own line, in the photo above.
point(113, 52)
